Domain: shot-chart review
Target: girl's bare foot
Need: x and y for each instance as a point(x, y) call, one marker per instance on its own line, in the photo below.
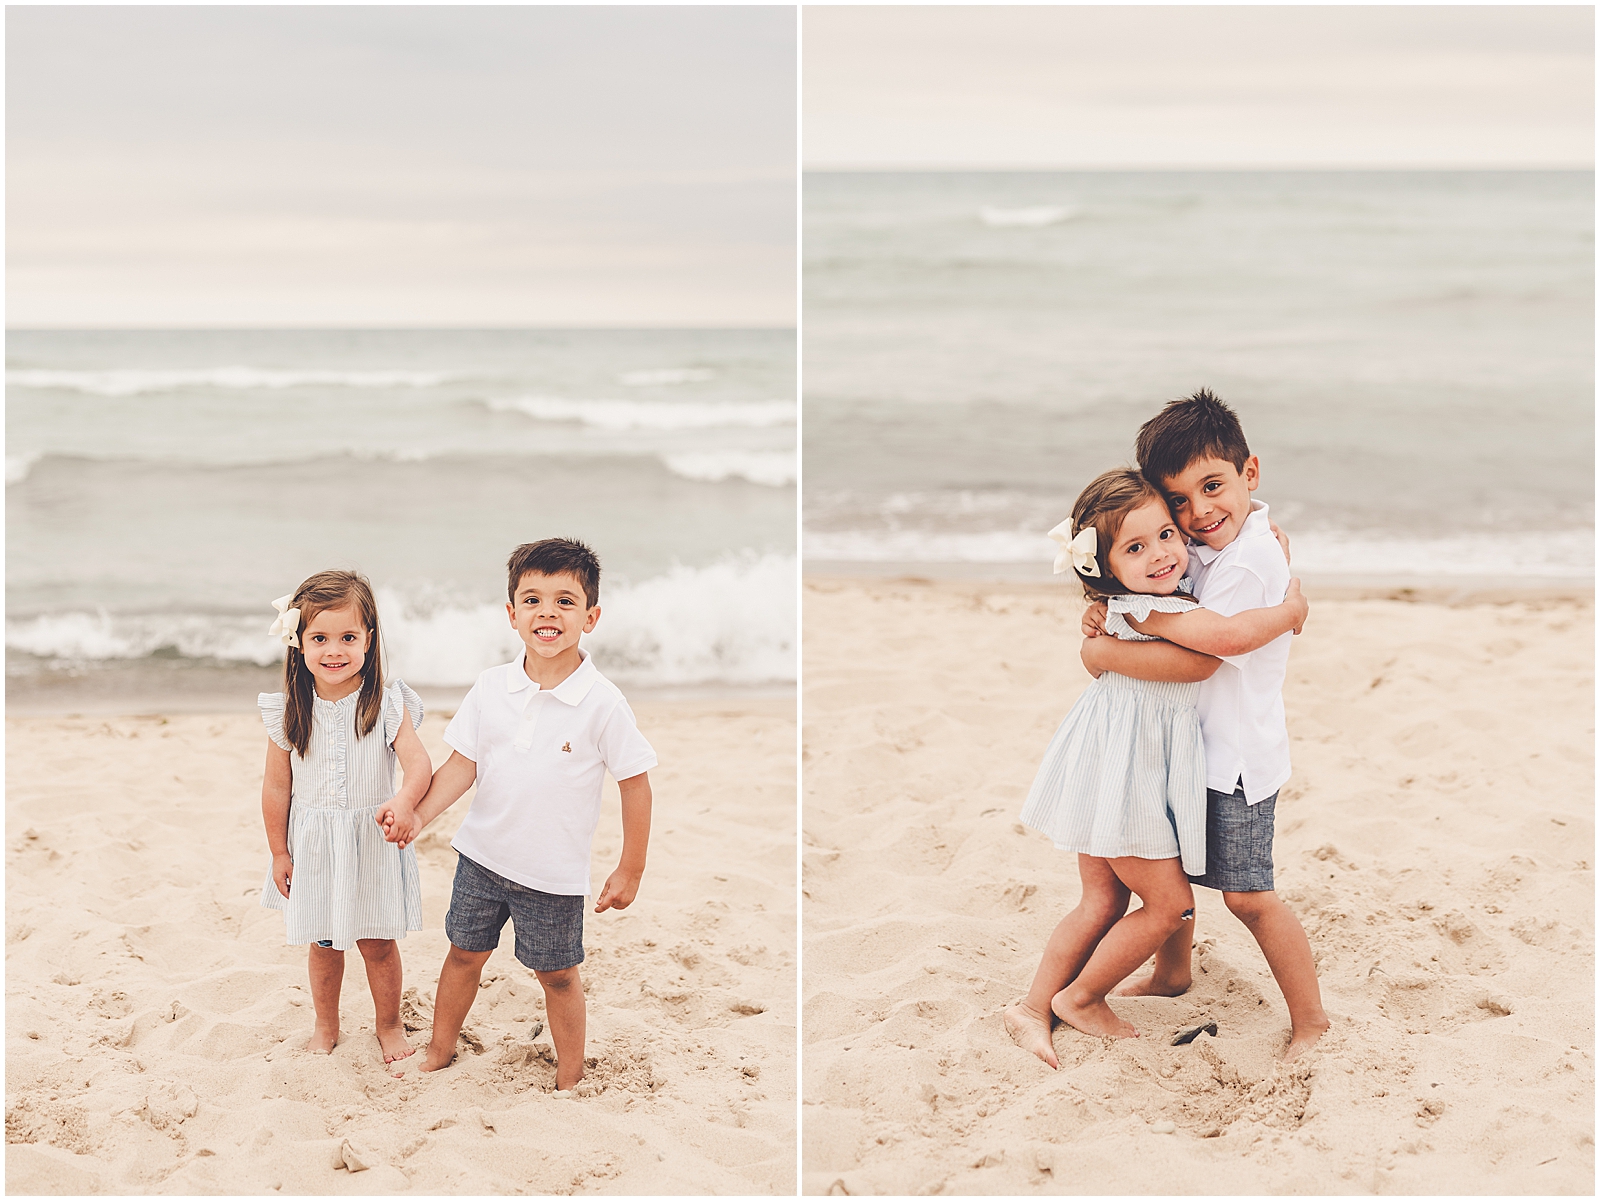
point(324, 1038)
point(1092, 1017)
point(1030, 1031)
point(437, 1057)
point(394, 1043)
point(1302, 1038)
point(1150, 986)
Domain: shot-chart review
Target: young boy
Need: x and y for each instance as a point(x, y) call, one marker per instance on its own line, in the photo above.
point(1195, 451)
point(537, 736)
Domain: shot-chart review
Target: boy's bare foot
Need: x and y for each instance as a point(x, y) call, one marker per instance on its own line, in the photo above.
point(1149, 986)
point(437, 1057)
point(324, 1038)
point(563, 1084)
point(1096, 1017)
point(394, 1043)
point(1030, 1031)
point(1302, 1038)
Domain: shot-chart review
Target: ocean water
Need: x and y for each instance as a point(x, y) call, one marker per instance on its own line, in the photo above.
point(163, 487)
point(1411, 354)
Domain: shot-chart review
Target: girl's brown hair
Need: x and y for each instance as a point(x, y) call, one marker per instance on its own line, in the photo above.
point(1108, 499)
point(321, 592)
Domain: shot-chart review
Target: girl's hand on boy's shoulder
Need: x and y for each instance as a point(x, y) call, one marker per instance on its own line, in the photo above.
point(282, 873)
point(1094, 620)
point(1283, 541)
point(620, 889)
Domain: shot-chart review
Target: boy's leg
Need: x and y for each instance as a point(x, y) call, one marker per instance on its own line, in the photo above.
point(1103, 901)
point(565, 1007)
point(326, 968)
point(1173, 971)
point(1166, 896)
point(458, 988)
point(1288, 953)
point(384, 978)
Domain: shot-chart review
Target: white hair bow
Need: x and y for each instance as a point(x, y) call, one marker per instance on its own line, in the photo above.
point(1076, 553)
point(287, 622)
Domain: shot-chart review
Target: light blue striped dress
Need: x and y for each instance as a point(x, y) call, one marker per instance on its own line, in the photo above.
point(1125, 773)
point(349, 883)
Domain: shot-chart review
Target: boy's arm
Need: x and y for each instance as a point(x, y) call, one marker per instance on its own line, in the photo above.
point(1159, 661)
point(622, 885)
point(1213, 634)
point(275, 790)
point(448, 785)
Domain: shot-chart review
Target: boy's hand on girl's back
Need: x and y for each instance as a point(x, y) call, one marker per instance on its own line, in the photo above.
point(282, 873)
point(1294, 598)
point(620, 889)
point(1094, 620)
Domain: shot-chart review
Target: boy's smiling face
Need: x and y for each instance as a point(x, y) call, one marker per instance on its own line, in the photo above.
point(549, 613)
point(1210, 499)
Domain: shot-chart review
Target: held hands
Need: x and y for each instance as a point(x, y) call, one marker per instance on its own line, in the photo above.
point(620, 888)
point(400, 824)
point(282, 873)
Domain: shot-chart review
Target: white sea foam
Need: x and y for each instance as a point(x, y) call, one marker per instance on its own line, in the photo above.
point(658, 415)
point(18, 466)
point(773, 468)
point(732, 622)
point(1044, 214)
point(136, 381)
point(659, 376)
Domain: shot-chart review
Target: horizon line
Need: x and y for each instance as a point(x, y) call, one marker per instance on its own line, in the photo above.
point(842, 169)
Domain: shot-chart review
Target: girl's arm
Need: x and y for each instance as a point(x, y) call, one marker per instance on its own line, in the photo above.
point(396, 815)
point(1160, 661)
point(1213, 634)
point(275, 790)
point(448, 785)
point(622, 885)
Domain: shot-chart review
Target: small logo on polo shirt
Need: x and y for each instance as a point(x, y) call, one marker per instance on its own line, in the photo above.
point(567, 746)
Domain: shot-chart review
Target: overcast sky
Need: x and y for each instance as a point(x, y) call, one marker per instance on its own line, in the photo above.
point(216, 166)
point(1036, 87)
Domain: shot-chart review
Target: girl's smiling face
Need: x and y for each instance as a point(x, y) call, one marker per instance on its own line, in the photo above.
point(1149, 554)
point(334, 644)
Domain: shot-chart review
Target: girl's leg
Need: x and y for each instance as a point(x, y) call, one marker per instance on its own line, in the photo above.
point(1165, 892)
point(1103, 901)
point(326, 967)
point(382, 958)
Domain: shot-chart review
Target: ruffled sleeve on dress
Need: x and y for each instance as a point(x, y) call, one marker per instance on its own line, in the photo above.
point(1138, 607)
point(398, 699)
point(271, 705)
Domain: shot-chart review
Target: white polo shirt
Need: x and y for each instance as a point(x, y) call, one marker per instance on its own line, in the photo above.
point(542, 756)
point(1241, 705)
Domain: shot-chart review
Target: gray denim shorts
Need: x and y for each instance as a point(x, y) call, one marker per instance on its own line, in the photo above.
point(1238, 843)
point(549, 927)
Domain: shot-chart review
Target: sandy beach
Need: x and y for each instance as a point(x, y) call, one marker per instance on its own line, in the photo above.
point(156, 1021)
point(1435, 841)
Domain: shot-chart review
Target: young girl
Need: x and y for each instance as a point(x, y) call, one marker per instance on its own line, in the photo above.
point(335, 732)
point(1123, 781)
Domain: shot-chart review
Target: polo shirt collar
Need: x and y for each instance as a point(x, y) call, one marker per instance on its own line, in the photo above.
point(570, 691)
point(1254, 526)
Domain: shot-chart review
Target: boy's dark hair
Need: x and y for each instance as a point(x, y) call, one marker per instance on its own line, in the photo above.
point(1195, 427)
point(555, 556)
point(331, 590)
